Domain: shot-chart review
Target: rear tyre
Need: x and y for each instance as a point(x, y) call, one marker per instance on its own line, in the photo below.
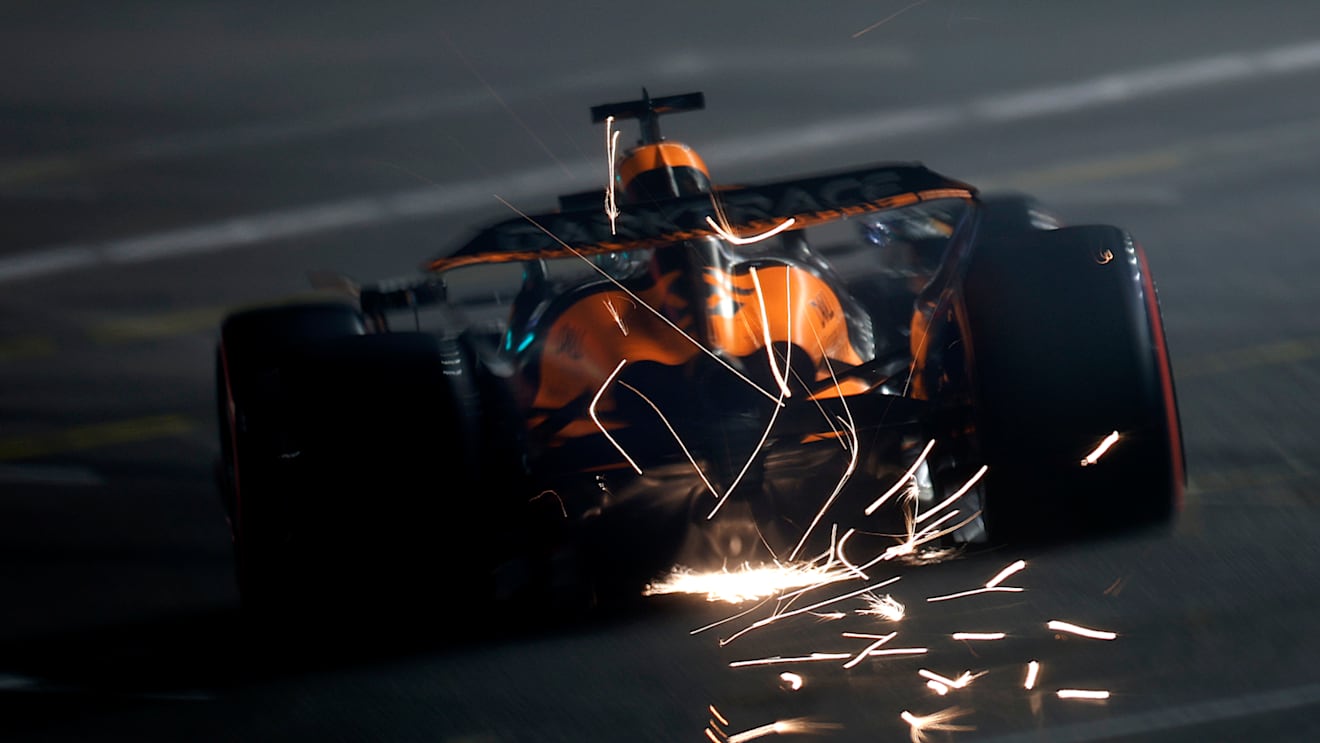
point(255, 350)
point(387, 509)
point(1066, 346)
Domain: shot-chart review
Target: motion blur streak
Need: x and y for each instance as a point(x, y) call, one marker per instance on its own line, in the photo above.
point(860, 656)
point(1033, 671)
point(941, 721)
point(784, 615)
point(591, 410)
point(611, 148)
point(812, 658)
point(911, 472)
point(1100, 450)
point(1083, 631)
point(991, 585)
point(1083, 694)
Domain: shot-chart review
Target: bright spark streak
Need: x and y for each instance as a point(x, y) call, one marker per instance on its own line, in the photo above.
point(912, 471)
point(591, 410)
point(725, 233)
point(769, 426)
point(691, 460)
point(915, 539)
point(854, 452)
point(614, 313)
point(1095, 634)
point(862, 655)
point(1083, 694)
point(1100, 450)
point(1005, 573)
point(991, 585)
point(611, 147)
point(783, 727)
point(785, 615)
point(843, 558)
point(937, 687)
point(715, 713)
point(978, 635)
point(712, 737)
point(888, 18)
point(747, 584)
point(973, 592)
point(765, 332)
point(962, 681)
point(1033, 671)
point(791, 680)
point(885, 607)
point(778, 659)
point(618, 284)
point(958, 494)
point(942, 720)
point(899, 651)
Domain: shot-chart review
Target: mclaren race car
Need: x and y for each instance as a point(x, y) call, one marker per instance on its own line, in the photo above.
point(671, 372)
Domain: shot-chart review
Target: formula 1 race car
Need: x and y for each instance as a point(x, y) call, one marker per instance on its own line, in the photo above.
point(668, 371)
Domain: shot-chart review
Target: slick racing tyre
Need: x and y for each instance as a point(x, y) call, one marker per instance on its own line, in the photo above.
point(385, 449)
point(363, 482)
point(255, 349)
point(1075, 413)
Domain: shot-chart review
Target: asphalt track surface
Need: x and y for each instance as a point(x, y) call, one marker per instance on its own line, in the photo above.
point(160, 163)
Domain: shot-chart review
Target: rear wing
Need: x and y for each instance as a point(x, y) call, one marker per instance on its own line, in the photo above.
point(743, 211)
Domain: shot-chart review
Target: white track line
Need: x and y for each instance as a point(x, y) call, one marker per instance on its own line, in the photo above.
point(1005, 107)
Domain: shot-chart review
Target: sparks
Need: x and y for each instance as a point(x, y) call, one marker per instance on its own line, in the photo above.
point(665, 421)
point(978, 635)
point(783, 727)
point(778, 659)
point(862, 655)
point(885, 607)
point(898, 651)
point(1033, 671)
point(747, 584)
point(973, 592)
point(791, 681)
point(911, 472)
point(888, 18)
point(658, 314)
point(780, 378)
point(961, 682)
point(805, 610)
point(614, 313)
point(727, 234)
point(960, 492)
point(991, 586)
point(591, 410)
point(1100, 450)
point(854, 451)
point(611, 147)
point(942, 720)
point(1005, 573)
point(1083, 694)
point(1095, 634)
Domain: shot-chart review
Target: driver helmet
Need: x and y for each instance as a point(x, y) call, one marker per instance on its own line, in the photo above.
point(662, 170)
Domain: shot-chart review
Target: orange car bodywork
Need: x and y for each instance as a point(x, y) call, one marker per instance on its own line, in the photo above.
point(745, 307)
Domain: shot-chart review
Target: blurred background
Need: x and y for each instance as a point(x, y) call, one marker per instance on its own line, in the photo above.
point(164, 162)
